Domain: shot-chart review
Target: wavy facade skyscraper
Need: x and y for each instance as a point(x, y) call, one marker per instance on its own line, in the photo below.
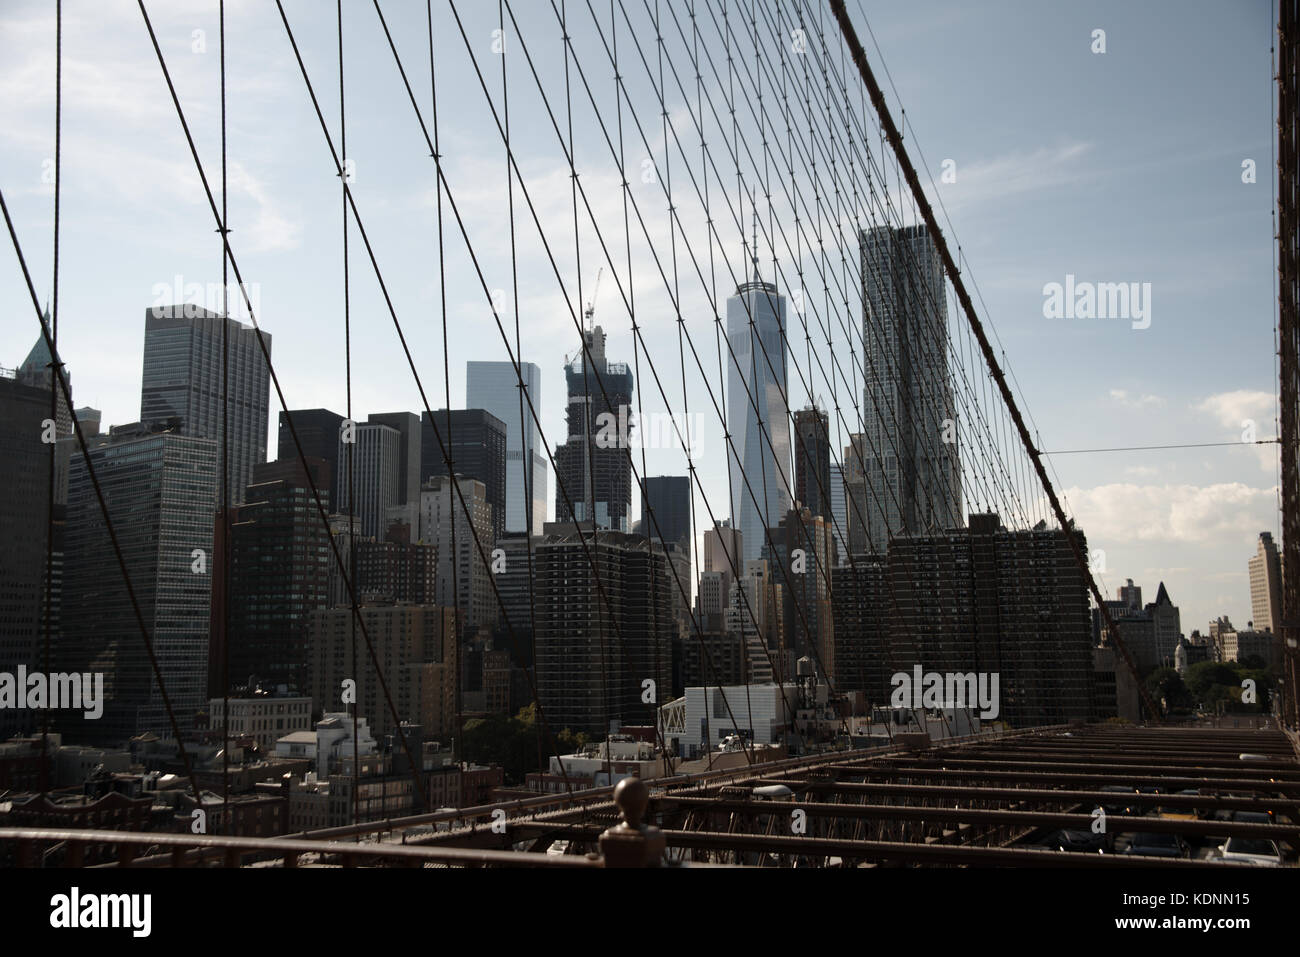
point(910, 460)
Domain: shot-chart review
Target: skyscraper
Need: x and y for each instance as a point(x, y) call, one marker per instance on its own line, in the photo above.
point(318, 431)
point(799, 554)
point(596, 646)
point(756, 617)
point(1168, 628)
point(839, 516)
point(812, 461)
point(761, 438)
point(669, 496)
point(280, 564)
point(592, 468)
point(1266, 585)
point(160, 491)
point(409, 463)
point(476, 441)
point(24, 500)
point(183, 379)
point(912, 474)
point(464, 580)
point(377, 469)
point(36, 372)
point(980, 599)
point(723, 547)
point(494, 386)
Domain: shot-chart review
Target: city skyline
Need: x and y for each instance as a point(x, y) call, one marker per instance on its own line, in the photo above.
point(685, 421)
point(1183, 515)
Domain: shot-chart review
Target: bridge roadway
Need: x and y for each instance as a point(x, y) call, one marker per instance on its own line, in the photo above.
point(985, 800)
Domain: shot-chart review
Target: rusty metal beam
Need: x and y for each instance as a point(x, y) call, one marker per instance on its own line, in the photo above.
point(128, 842)
point(1242, 771)
point(1129, 780)
point(896, 851)
point(1089, 797)
point(1031, 819)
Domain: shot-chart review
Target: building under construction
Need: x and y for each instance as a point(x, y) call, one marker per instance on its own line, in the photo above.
point(593, 472)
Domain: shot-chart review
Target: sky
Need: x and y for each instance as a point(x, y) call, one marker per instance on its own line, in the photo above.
point(1117, 166)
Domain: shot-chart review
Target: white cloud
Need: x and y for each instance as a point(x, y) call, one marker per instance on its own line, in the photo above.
point(1249, 414)
point(270, 231)
point(1229, 408)
point(1171, 513)
point(994, 180)
point(1124, 398)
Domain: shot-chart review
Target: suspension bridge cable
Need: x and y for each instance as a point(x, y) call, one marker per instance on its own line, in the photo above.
point(212, 205)
point(66, 390)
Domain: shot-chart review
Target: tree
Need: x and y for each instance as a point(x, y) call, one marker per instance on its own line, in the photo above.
point(1206, 675)
point(1167, 685)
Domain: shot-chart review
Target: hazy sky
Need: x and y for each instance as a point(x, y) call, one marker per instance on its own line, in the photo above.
point(1122, 166)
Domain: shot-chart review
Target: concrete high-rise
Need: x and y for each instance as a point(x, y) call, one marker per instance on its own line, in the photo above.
point(409, 462)
point(464, 580)
point(839, 515)
point(1168, 627)
point(280, 564)
point(595, 647)
point(723, 547)
point(761, 475)
point(756, 618)
point(476, 441)
point(976, 599)
point(593, 473)
point(160, 490)
point(417, 650)
point(799, 553)
point(494, 386)
point(183, 379)
point(912, 469)
point(1130, 594)
point(1266, 585)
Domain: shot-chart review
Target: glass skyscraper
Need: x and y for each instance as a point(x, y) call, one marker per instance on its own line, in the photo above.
point(160, 491)
point(494, 386)
point(183, 379)
point(762, 447)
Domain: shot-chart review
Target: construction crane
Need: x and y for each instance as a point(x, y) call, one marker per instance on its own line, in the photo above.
point(587, 315)
point(590, 311)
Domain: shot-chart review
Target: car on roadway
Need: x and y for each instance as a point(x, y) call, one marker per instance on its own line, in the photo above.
point(1256, 851)
point(1156, 844)
point(1181, 813)
point(1082, 839)
point(1121, 807)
